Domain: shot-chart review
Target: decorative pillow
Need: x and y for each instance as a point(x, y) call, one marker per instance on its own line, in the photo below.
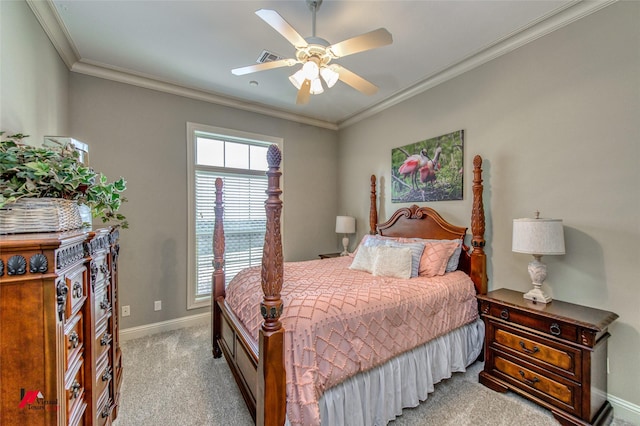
point(363, 259)
point(435, 257)
point(378, 240)
point(392, 262)
point(452, 263)
point(416, 253)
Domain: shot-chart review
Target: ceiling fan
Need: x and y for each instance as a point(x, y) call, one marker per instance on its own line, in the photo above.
point(315, 55)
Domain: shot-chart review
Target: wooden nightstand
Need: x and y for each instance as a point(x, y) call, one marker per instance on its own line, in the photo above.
point(553, 354)
point(328, 255)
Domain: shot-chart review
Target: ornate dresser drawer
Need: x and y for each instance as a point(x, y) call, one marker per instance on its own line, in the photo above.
point(60, 358)
point(550, 326)
point(554, 354)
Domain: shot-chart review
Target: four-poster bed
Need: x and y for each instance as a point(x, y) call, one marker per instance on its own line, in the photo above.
point(256, 352)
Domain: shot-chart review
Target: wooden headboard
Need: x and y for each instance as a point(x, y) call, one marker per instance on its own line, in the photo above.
point(424, 222)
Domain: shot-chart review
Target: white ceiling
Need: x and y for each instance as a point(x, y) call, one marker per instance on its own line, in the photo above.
point(189, 47)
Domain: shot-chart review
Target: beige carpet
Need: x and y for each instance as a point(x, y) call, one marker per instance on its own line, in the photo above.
point(172, 379)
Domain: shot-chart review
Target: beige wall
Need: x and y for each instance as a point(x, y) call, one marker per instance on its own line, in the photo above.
point(141, 134)
point(556, 121)
point(33, 78)
point(558, 126)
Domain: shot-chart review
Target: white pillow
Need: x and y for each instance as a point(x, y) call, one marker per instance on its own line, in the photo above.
point(416, 254)
point(392, 262)
point(363, 260)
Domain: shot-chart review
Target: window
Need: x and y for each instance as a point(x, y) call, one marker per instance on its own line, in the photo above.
point(240, 159)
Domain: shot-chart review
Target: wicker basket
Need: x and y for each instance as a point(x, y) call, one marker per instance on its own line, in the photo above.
point(39, 215)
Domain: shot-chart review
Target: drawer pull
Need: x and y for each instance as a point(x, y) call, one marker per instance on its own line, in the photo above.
point(555, 329)
point(527, 350)
point(527, 381)
point(105, 340)
point(74, 339)
point(77, 290)
point(75, 389)
point(504, 314)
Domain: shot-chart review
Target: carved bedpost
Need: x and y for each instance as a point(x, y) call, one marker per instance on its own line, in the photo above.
point(271, 398)
point(478, 258)
point(373, 209)
point(218, 285)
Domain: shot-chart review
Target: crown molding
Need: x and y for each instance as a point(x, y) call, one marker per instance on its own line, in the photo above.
point(545, 25)
point(51, 23)
point(147, 82)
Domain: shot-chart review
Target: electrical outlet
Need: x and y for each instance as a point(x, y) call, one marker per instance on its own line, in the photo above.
point(157, 305)
point(126, 310)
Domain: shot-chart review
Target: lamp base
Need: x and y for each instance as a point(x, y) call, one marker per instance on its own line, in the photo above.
point(345, 246)
point(537, 295)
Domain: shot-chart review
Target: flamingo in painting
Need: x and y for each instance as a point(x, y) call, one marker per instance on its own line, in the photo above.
point(412, 165)
point(428, 171)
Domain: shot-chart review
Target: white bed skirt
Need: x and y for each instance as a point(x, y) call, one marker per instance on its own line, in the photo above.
point(405, 380)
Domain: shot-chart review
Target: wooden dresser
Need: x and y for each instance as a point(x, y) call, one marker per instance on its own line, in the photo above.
point(60, 359)
point(553, 354)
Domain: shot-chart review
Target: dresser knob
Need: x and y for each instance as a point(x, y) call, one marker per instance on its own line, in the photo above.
point(555, 329)
point(106, 376)
point(105, 340)
point(75, 389)
point(504, 314)
point(74, 339)
point(77, 290)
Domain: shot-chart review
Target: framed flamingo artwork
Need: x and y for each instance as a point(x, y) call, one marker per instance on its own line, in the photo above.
point(429, 170)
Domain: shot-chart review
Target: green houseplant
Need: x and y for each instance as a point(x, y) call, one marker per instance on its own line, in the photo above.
point(56, 172)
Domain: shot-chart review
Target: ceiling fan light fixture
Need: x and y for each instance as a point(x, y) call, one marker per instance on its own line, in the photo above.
point(329, 76)
point(310, 69)
point(297, 79)
point(316, 86)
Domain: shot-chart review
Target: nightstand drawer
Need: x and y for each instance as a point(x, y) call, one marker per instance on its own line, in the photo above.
point(563, 395)
point(558, 358)
point(549, 326)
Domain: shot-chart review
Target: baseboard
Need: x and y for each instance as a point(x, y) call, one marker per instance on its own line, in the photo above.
point(625, 410)
point(169, 325)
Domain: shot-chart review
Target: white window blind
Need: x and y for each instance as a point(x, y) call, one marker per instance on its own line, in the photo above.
point(244, 224)
point(240, 160)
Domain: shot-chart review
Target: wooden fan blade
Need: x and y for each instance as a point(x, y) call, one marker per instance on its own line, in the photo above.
point(354, 80)
point(264, 66)
point(304, 93)
point(367, 41)
point(278, 23)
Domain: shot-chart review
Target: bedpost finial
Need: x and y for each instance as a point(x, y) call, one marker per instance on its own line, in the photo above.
point(477, 161)
point(218, 184)
point(274, 156)
point(373, 179)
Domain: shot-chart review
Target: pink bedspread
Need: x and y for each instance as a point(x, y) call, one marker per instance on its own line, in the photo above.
point(339, 322)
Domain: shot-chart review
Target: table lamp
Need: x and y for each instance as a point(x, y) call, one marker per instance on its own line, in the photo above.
point(538, 237)
point(345, 225)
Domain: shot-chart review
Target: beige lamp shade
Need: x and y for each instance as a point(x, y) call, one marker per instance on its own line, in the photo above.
point(538, 236)
point(345, 225)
